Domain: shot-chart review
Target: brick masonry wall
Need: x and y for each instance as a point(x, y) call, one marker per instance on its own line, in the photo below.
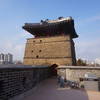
point(50, 50)
point(15, 81)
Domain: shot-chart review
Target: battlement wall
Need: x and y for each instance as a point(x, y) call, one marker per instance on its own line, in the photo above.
point(17, 79)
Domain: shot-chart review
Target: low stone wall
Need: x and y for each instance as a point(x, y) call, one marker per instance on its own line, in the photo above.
point(17, 79)
point(75, 72)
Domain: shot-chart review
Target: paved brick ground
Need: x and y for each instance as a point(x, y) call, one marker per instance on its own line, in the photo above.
point(49, 90)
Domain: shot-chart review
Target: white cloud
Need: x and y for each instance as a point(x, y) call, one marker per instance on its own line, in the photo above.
point(24, 34)
point(17, 50)
point(15, 45)
point(89, 50)
point(88, 46)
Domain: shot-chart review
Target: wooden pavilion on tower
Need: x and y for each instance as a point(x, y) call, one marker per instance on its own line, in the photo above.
point(53, 42)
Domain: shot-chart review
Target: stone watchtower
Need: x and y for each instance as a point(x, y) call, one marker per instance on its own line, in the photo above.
point(53, 42)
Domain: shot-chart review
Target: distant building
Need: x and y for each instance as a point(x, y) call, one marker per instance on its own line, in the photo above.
point(1, 58)
point(97, 61)
point(6, 58)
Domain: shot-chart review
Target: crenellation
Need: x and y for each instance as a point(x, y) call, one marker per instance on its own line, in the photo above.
point(16, 80)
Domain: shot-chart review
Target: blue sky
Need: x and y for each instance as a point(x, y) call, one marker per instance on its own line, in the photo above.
point(14, 13)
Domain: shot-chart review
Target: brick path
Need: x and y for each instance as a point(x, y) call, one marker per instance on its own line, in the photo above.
point(49, 90)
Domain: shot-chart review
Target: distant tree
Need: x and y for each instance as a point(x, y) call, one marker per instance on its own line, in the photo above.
point(18, 62)
point(81, 62)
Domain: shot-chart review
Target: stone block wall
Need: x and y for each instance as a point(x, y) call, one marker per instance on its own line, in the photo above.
point(50, 50)
point(79, 73)
point(15, 81)
point(74, 73)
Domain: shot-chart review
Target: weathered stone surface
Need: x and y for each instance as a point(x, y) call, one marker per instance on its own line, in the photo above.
point(50, 50)
point(74, 73)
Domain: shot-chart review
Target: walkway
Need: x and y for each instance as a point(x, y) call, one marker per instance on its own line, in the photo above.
point(49, 90)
